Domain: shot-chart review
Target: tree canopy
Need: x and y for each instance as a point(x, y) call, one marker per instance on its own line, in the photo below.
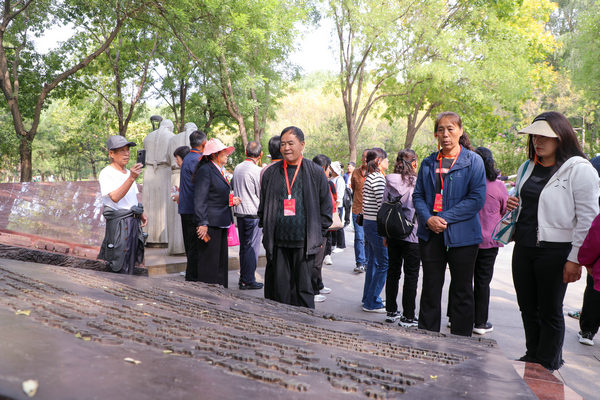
point(225, 65)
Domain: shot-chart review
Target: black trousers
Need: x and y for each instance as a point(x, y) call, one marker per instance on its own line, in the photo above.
point(484, 271)
point(213, 257)
point(589, 321)
point(250, 234)
point(402, 254)
point(461, 260)
point(316, 273)
point(538, 279)
point(190, 243)
point(288, 277)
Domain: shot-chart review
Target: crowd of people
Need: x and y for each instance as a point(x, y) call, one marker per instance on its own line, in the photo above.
point(449, 206)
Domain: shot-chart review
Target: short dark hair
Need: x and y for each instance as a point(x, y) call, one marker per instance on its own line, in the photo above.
point(275, 148)
point(322, 160)
point(568, 145)
point(253, 149)
point(491, 173)
point(447, 114)
point(352, 163)
point(181, 151)
point(294, 131)
point(197, 138)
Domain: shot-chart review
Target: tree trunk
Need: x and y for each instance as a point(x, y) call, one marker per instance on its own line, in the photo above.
point(25, 153)
point(183, 86)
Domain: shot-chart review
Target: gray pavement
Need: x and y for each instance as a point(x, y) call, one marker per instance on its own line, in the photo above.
point(581, 371)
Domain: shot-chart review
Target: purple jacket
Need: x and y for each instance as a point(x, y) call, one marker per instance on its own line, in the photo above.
point(589, 252)
point(395, 187)
point(492, 212)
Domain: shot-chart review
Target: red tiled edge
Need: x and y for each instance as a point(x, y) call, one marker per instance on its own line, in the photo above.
point(543, 384)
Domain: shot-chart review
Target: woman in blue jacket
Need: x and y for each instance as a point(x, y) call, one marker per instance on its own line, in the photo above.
point(449, 193)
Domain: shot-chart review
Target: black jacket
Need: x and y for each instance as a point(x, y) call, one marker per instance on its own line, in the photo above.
point(317, 204)
point(115, 244)
point(211, 197)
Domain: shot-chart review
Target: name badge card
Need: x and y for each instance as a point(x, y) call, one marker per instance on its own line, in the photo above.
point(289, 207)
point(437, 204)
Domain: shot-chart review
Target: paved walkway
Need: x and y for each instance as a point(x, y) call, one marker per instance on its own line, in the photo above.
point(581, 371)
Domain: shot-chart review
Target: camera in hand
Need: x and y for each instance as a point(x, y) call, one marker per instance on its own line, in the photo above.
point(141, 157)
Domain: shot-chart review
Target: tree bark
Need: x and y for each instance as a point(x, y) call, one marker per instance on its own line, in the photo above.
point(25, 151)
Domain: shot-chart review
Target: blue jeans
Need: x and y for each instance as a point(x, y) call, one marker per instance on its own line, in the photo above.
point(359, 242)
point(377, 267)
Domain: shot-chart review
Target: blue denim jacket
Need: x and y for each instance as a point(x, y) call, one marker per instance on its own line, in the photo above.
point(464, 196)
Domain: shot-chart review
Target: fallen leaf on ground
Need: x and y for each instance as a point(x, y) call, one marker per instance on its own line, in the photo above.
point(23, 312)
point(131, 360)
point(433, 376)
point(30, 387)
point(167, 351)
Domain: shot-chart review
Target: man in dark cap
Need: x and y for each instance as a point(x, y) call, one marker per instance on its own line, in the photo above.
point(123, 245)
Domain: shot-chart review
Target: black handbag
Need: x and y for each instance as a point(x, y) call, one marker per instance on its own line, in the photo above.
point(391, 222)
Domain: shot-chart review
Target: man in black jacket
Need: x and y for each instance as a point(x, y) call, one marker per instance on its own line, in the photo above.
point(295, 213)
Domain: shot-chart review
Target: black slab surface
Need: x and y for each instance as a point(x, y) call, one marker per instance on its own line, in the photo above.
point(197, 341)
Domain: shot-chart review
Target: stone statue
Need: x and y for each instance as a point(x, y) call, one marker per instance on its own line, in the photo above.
point(157, 183)
point(173, 219)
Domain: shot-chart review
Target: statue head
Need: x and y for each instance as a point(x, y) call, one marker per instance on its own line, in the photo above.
point(189, 128)
point(166, 124)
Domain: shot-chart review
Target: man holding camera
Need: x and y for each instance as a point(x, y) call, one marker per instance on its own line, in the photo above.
point(123, 245)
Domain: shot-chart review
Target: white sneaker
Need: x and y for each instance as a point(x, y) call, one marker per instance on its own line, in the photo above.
point(337, 250)
point(319, 298)
point(374, 310)
point(325, 290)
point(586, 338)
point(328, 260)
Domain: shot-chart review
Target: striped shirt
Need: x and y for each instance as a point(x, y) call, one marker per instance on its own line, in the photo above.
point(373, 195)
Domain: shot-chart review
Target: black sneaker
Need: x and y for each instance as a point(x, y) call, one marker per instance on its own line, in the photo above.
point(251, 286)
point(482, 329)
point(586, 338)
point(408, 322)
point(392, 316)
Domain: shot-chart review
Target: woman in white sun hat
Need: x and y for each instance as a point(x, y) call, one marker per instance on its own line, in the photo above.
point(558, 200)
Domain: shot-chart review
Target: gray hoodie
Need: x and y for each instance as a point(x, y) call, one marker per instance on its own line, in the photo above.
point(395, 186)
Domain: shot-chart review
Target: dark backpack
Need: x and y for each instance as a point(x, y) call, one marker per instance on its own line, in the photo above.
point(347, 201)
point(391, 222)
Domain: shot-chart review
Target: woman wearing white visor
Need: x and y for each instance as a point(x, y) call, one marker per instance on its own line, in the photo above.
point(558, 199)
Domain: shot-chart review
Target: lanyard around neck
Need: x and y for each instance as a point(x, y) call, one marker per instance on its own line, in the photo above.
point(440, 157)
point(287, 180)
point(196, 151)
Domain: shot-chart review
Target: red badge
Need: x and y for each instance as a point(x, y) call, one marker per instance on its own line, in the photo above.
point(437, 204)
point(230, 199)
point(289, 207)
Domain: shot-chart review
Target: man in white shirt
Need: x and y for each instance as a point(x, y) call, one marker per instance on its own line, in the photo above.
point(123, 244)
point(246, 185)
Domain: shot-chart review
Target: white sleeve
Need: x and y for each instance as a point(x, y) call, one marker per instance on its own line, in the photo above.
point(107, 181)
point(585, 194)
